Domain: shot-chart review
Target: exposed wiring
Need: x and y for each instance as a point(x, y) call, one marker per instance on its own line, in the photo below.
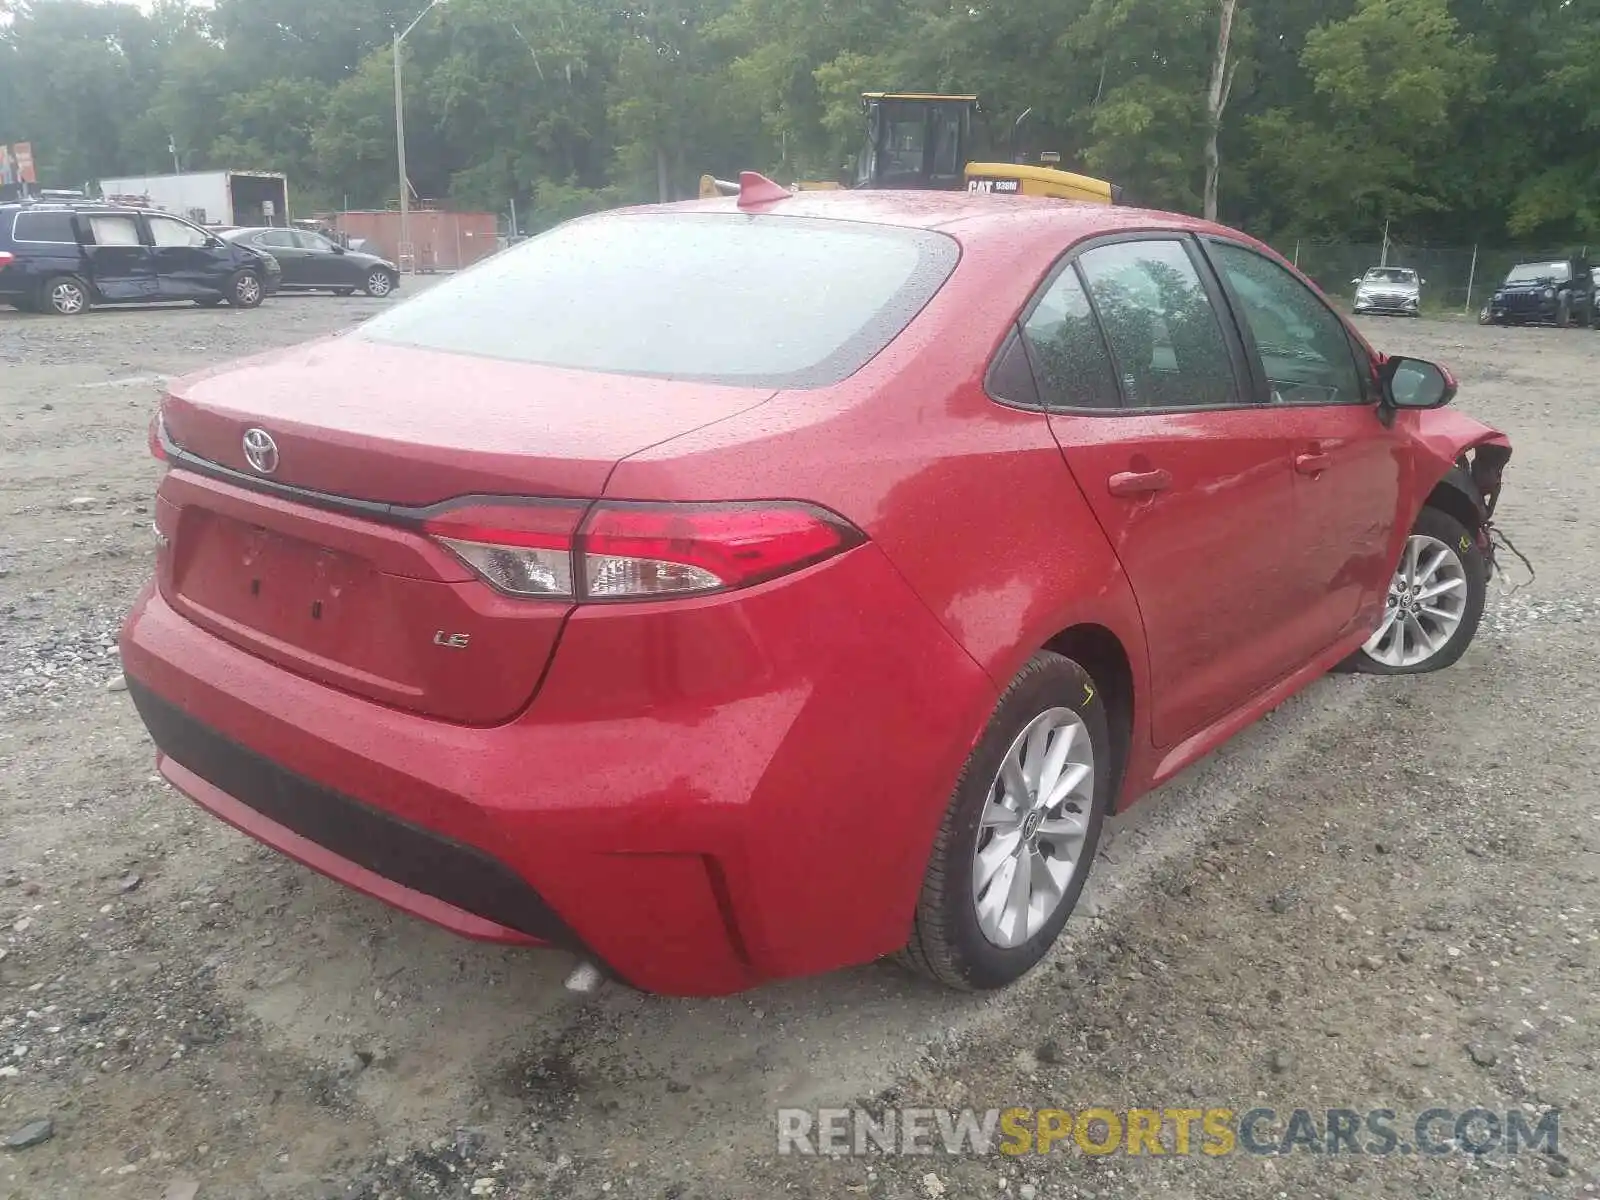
point(1497, 538)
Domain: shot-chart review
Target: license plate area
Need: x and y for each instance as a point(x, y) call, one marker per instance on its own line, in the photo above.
point(285, 588)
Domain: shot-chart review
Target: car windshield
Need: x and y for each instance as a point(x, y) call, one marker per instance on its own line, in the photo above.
point(758, 301)
point(1391, 275)
point(1552, 272)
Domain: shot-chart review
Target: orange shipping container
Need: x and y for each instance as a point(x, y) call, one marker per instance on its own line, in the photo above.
point(441, 241)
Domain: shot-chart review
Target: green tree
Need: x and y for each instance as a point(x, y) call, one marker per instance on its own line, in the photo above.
point(1391, 84)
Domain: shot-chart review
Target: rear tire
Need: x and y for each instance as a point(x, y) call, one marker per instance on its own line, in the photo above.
point(379, 284)
point(245, 290)
point(1431, 616)
point(973, 932)
point(66, 296)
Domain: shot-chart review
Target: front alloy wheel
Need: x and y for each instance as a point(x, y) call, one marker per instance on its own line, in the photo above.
point(1435, 600)
point(246, 291)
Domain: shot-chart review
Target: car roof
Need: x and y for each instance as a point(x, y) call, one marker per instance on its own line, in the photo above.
point(972, 218)
point(74, 206)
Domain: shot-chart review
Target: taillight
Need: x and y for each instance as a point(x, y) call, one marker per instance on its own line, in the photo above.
point(626, 551)
point(520, 549)
point(6, 259)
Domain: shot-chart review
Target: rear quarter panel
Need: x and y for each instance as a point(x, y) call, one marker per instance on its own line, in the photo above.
point(970, 500)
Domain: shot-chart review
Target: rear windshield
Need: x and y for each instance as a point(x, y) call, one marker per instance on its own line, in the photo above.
point(771, 302)
point(44, 227)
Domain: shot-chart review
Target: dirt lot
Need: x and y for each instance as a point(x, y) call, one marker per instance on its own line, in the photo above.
point(1384, 896)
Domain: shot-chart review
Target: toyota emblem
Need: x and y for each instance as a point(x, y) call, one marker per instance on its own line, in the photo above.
point(260, 451)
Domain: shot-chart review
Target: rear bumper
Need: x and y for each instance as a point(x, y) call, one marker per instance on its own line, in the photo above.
point(705, 794)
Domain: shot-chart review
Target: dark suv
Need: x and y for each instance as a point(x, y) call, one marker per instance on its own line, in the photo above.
point(63, 258)
point(1560, 292)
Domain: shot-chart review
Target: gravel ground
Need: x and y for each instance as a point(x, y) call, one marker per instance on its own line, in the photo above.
point(1383, 896)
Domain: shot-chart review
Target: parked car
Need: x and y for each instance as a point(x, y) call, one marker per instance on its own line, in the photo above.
point(619, 594)
point(1389, 290)
point(311, 262)
point(1562, 292)
point(66, 258)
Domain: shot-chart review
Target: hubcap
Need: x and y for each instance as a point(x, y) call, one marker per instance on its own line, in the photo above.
point(66, 298)
point(378, 285)
point(1031, 835)
point(1427, 601)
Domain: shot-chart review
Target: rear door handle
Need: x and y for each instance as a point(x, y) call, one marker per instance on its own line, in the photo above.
point(1312, 464)
point(1139, 483)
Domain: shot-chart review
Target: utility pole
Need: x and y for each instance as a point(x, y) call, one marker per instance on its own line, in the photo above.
point(1222, 72)
point(405, 256)
point(1383, 260)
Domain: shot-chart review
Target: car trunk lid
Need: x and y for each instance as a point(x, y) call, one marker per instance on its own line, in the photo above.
point(317, 563)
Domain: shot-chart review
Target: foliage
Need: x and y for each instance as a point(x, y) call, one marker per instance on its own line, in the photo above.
point(1455, 120)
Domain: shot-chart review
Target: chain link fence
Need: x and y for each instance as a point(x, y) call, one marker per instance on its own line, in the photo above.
point(1457, 278)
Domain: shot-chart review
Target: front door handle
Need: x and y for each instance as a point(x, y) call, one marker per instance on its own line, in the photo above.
point(1139, 483)
point(1312, 464)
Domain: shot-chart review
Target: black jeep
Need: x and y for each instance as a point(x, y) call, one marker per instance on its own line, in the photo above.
point(1562, 292)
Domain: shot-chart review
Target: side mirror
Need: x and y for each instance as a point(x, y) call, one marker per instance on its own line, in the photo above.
point(1422, 283)
point(1357, 282)
point(337, 249)
point(1416, 383)
point(213, 242)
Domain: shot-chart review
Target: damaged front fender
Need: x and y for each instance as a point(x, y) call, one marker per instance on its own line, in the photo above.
point(1459, 467)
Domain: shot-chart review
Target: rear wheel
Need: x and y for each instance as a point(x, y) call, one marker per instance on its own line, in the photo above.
point(244, 290)
point(65, 295)
point(1435, 601)
point(1014, 850)
point(379, 284)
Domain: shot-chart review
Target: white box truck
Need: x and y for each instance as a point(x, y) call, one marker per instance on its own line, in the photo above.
point(225, 198)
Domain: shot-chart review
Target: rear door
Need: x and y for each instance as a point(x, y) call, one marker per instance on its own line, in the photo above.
point(1346, 463)
point(1189, 479)
point(186, 265)
point(119, 261)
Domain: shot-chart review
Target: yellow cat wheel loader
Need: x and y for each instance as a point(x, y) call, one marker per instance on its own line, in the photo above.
point(920, 140)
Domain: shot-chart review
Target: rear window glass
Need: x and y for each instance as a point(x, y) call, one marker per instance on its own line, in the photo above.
point(756, 301)
point(44, 227)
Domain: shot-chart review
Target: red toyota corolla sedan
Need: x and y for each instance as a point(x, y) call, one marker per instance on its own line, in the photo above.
point(745, 588)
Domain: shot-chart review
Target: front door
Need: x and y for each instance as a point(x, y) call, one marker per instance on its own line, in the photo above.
point(320, 265)
point(1346, 464)
point(281, 244)
point(186, 265)
point(1187, 476)
point(119, 262)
